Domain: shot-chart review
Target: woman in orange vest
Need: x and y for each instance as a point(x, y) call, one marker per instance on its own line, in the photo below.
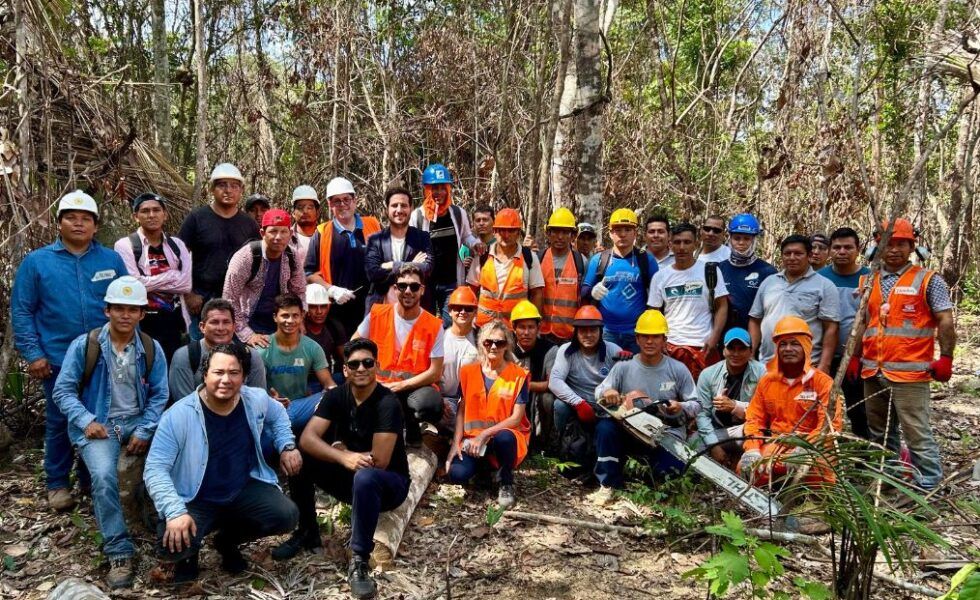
point(490, 422)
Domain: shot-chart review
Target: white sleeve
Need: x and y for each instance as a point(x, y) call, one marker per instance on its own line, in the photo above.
point(535, 276)
point(655, 297)
point(721, 289)
point(438, 348)
point(365, 327)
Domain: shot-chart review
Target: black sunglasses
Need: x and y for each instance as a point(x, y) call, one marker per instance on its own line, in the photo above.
point(494, 343)
point(711, 229)
point(355, 365)
point(465, 309)
point(402, 286)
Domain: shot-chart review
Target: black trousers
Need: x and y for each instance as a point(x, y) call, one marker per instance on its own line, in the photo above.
point(853, 399)
point(167, 327)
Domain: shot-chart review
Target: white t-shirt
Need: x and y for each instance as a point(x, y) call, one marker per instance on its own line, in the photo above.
point(722, 253)
point(684, 297)
point(397, 249)
point(532, 277)
point(403, 327)
point(459, 351)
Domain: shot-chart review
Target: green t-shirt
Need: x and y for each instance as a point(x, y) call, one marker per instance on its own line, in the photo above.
point(288, 372)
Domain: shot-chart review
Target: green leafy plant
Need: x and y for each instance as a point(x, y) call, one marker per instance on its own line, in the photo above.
point(965, 585)
point(493, 514)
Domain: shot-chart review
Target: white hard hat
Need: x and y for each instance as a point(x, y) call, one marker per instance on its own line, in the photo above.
point(126, 290)
point(305, 192)
point(338, 186)
point(316, 294)
point(78, 200)
point(226, 171)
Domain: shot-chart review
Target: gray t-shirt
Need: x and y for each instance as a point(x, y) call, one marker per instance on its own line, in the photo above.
point(669, 379)
point(122, 371)
point(574, 378)
point(183, 381)
point(813, 298)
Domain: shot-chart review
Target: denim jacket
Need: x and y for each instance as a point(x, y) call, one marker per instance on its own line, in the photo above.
point(710, 384)
point(94, 401)
point(178, 457)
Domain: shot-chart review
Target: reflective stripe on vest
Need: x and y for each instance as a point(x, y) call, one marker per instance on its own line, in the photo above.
point(484, 408)
point(897, 366)
point(561, 296)
point(369, 225)
point(495, 303)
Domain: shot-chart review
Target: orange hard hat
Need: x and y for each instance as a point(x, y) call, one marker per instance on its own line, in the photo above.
point(462, 296)
point(508, 218)
point(791, 326)
point(903, 230)
point(587, 316)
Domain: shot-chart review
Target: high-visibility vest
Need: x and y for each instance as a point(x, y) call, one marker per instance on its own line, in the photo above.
point(561, 296)
point(414, 355)
point(495, 303)
point(900, 337)
point(483, 409)
point(369, 225)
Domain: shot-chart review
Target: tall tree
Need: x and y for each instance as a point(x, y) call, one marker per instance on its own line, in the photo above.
point(200, 61)
point(161, 76)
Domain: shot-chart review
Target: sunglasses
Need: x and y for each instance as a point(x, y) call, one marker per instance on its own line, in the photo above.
point(710, 229)
point(355, 365)
point(402, 286)
point(464, 309)
point(494, 344)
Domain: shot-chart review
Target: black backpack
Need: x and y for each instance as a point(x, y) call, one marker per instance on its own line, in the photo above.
point(711, 280)
point(525, 252)
point(642, 262)
point(256, 248)
point(134, 240)
point(194, 354)
point(93, 350)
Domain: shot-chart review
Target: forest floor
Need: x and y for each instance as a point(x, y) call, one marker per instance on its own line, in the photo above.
point(450, 541)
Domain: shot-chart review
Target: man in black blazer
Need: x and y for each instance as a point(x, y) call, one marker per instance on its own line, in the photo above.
point(395, 244)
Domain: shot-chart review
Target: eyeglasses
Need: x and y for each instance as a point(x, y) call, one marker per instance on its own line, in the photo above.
point(337, 201)
point(402, 286)
point(494, 344)
point(355, 365)
point(231, 185)
point(710, 229)
point(463, 309)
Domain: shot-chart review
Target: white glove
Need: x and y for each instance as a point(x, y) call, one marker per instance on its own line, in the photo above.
point(748, 461)
point(599, 291)
point(340, 295)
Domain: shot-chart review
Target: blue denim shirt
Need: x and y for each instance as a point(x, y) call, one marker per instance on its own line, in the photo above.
point(710, 384)
point(58, 296)
point(178, 456)
point(93, 403)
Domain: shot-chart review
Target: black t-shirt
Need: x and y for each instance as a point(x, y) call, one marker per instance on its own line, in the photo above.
point(328, 339)
point(534, 358)
point(231, 455)
point(445, 249)
point(355, 425)
point(212, 239)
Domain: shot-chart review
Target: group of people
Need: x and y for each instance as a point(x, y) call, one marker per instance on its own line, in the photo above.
point(264, 338)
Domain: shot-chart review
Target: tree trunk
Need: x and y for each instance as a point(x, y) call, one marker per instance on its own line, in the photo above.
point(922, 104)
point(549, 139)
point(200, 60)
point(591, 178)
point(391, 526)
point(562, 163)
point(267, 143)
point(161, 77)
point(952, 258)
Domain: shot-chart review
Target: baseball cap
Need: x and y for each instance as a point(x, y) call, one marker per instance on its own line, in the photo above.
point(586, 228)
point(276, 217)
point(256, 199)
point(737, 333)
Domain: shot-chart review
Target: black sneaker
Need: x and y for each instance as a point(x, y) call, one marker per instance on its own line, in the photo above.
point(362, 586)
point(232, 560)
point(300, 540)
point(186, 570)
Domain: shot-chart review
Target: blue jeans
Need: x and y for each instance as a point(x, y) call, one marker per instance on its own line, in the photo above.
point(58, 451)
point(300, 412)
point(503, 446)
point(609, 453)
point(194, 329)
point(101, 458)
point(440, 299)
point(626, 341)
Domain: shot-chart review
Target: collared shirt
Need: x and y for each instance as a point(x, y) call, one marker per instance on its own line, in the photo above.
point(533, 278)
point(346, 257)
point(173, 281)
point(937, 292)
point(812, 297)
point(122, 369)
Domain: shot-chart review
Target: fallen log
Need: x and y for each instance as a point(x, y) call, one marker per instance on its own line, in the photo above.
point(539, 518)
point(392, 524)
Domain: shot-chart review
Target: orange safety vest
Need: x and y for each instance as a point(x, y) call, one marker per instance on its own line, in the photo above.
point(483, 409)
point(560, 296)
point(370, 226)
point(899, 340)
point(414, 355)
point(497, 304)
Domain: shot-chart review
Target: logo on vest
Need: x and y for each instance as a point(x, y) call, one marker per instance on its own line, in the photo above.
point(905, 290)
point(566, 280)
point(908, 309)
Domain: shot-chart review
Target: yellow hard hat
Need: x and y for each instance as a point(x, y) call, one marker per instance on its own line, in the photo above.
point(651, 322)
point(623, 216)
point(524, 310)
point(562, 218)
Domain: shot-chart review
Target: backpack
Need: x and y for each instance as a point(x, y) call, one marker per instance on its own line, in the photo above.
point(643, 265)
point(525, 252)
point(93, 350)
point(579, 263)
point(576, 445)
point(711, 280)
point(137, 244)
point(194, 354)
point(256, 248)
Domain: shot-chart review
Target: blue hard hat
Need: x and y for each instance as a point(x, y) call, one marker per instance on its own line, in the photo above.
point(435, 174)
point(744, 223)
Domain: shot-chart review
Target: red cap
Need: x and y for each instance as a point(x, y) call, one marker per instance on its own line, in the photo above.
point(276, 217)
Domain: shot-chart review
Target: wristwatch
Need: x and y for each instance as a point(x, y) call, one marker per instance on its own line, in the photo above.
point(288, 447)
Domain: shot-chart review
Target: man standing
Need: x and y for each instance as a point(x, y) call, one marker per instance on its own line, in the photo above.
point(695, 308)
point(336, 256)
point(845, 273)
point(355, 452)
point(563, 270)
point(258, 273)
point(536, 355)
point(713, 248)
point(618, 281)
point(585, 240)
point(820, 253)
point(217, 328)
point(205, 470)
point(798, 291)
point(449, 228)
point(112, 405)
point(657, 233)
point(57, 296)
point(397, 244)
point(909, 308)
point(459, 349)
point(256, 205)
point(410, 351)
point(213, 233)
point(306, 216)
point(511, 272)
point(162, 264)
point(744, 271)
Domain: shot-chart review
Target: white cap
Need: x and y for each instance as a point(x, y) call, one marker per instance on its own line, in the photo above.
point(316, 294)
point(126, 290)
point(78, 200)
point(338, 186)
point(305, 192)
point(226, 171)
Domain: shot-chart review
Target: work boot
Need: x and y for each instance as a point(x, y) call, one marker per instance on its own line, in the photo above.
point(60, 500)
point(362, 586)
point(120, 573)
point(186, 570)
point(506, 496)
point(602, 496)
point(300, 540)
point(232, 560)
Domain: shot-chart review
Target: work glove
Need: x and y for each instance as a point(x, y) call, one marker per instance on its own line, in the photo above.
point(340, 295)
point(748, 461)
point(585, 413)
point(853, 369)
point(599, 291)
point(622, 355)
point(942, 369)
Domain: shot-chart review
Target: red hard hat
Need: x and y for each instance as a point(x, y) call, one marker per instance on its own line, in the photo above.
point(587, 316)
point(462, 296)
point(508, 218)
